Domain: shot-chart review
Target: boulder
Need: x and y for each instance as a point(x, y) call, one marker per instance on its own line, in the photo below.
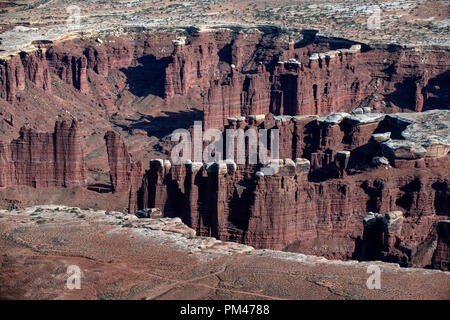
point(152, 213)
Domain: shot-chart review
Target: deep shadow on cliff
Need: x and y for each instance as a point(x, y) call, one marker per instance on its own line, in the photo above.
point(148, 76)
point(437, 92)
point(162, 126)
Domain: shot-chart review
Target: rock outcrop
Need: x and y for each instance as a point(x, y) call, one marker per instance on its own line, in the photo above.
point(243, 73)
point(14, 71)
point(126, 175)
point(298, 82)
point(237, 95)
point(341, 154)
point(192, 64)
point(441, 256)
point(422, 135)
point(314, 204)
point(43, 160)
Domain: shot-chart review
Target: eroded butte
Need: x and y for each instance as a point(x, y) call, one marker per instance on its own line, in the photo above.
point(86, 119)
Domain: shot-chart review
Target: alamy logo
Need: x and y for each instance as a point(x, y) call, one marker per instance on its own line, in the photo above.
point(374, 21)
point(374, 281)
point(74, 20)
point(74, 280)
point(250, 146)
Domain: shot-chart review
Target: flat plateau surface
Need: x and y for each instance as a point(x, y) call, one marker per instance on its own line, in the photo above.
point(413, 23)
point(122, 257)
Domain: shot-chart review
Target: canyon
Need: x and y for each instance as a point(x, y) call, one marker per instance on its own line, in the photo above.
point(364, 136)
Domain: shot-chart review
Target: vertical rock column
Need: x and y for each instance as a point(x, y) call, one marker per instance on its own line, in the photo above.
point(12, 78)
point(119, 160)
point(392, 229)
point(36, 69)
point(34, 158)
point(70, 167)
point(372, 237)
point(157, 185)
point(135, 186)
point(217, 198)
point(6, 166)
point(191, 186)
point(125, 175)
point(43, 160)
point(441, 257)
point(341, 162)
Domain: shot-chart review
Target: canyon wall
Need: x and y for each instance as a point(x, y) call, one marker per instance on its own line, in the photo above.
point(32, 66)
point(345, 165)
point(337, 169)
point(192, 64)
point(83, 64)
point(42, 160)
point(126, 175)
point(335, 80)
point(239, 73)
point(442, 254)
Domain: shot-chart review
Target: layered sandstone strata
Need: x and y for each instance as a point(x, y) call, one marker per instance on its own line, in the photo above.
point(125, 174)
point(442, 254)
point(238, 95)
point(253, 71)
point(192, 64)
point(308, 205)
point(32, 66)
point(325, 82)
point(42, 160)
point(334, 168)
point(80, 63)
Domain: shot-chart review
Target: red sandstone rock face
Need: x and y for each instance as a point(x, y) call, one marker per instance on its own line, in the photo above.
point(12, 78)
point(318, 211)
point(36, 69)
point(192, 64)
point(42, 160)
point(238, 95)
point(335, 81)
point(282, 212)
point(442, 254)
point(126, 175)
point(97, 59)
point(6, 166)
point(69, 68)
point(248, 73)
point(69, 65)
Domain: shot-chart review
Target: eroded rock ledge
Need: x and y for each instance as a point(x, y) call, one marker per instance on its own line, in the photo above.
point(169, 232)
point(123, 257)
point(334, 170)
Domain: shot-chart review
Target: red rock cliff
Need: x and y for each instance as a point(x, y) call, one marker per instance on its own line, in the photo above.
point(244, 73)
point(126, 175)
point(311, 206)
point(42, 160)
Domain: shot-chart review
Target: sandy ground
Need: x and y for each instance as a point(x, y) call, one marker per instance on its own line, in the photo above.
point(121, 257)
